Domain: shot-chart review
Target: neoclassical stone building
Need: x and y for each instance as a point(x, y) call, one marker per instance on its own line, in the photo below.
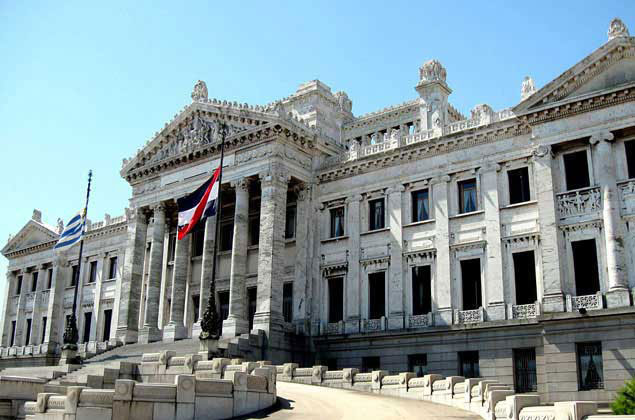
point(499, 245)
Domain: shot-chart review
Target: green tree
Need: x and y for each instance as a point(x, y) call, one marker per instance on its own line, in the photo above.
point(625, 401)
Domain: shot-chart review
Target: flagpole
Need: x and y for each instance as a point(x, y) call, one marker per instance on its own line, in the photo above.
point(71, 334)
point(210, 321)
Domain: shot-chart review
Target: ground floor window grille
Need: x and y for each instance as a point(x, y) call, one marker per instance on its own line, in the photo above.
point(590, 366)
point(525, 379)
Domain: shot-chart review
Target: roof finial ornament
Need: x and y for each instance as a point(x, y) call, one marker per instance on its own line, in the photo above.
point(528, 88)
point(617, 29)
point(432, 71)
point(199, 93)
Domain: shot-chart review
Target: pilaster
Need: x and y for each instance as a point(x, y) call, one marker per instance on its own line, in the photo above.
point(236, 322)
point(442, 243)
point(175, 330)
point(130, 289)
point(206, 271)
point(55, 314)
point(101, 273)
point(396, 277)
point(302, 244)
point(5, 334)
point(353, 284)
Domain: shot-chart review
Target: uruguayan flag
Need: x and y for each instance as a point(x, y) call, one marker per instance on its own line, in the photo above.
point(72, 233)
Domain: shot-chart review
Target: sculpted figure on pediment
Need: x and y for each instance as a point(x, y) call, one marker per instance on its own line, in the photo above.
point(199, 93)
point(343, 102)
point(528, 88)
point(432, 71)
point(617, 29)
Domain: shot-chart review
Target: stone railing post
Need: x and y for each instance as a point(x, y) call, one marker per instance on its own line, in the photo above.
point(377, 376)
point(318, 374)
point(185, 396)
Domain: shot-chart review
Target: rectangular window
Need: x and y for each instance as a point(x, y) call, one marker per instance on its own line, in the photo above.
point(44, 321)
point(107, 322)
point(223, 303)
point(370, 363)
point(88, 318)
point(226, 236)
point(34, 277)
point(376, 295)
point(74, 275)
point(27, 340)
point(171, 247)
point(289, 226)
point(471, 281)
point(590, 366)
point(418, 364)
point(18, 286)
point(467, 196)
point(198, 241)
point(468, 364)
point(112, 268)
point(287, 302)
point(421, 290)
point(196, 305)
point(585, 267)
point(420, 206)
point(630, 157)
point(92, 278)
point(576, 169)
point(525, 379)
point(12, 333)
point(252, 301)
point(337, 222)
point(525, 277)
point(336, 299)
point(518, 185)
point(254, 230)
point(376, 214)
point(49, 280)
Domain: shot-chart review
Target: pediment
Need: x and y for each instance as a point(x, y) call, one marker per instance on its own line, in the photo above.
point(609, 67)
point(32, 234)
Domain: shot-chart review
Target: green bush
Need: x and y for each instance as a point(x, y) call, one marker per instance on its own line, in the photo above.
point(625, 401)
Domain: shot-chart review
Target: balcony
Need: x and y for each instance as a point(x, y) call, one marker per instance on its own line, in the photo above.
point(373, 325)
point(580, 202)
point(528, 311)
point(471, 316)
point(587, 302)
point(627, 196)
point(335, 328)
point(420, 321)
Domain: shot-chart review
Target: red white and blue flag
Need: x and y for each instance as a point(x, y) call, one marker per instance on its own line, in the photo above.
point(198, 205)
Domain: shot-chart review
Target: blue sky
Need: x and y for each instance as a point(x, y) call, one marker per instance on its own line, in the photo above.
point(84, 85)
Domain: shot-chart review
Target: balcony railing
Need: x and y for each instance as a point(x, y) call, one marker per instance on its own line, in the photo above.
point(579, 202)
point(371, 325)
point(528, 311)
point(420, 321)
point(335, 328)
point(588, 302)
point(471, 316)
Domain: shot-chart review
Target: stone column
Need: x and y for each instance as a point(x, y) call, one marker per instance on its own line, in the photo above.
point(443, 279)
point(36, 329)
point(236, 322)
point(550, 238)
point(494, 286)
point(96, 332)
point(395, 279)
point(130, 290)
point(150, 331)
point(20, 329)
point(271, 260)
point(352, 284)
point(604, 162)
point(55, 314)
point(302, 244)
point(206, 271)
point(175, 330)
point(5, 334)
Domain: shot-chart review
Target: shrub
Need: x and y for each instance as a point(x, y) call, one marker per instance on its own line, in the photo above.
point(625, 402)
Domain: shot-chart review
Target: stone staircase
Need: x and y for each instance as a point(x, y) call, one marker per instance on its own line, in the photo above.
point(97, 375)
point(43, 372)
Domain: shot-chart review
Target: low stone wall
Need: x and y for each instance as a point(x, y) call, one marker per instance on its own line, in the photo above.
point(489, 399)
point(47, 354)
point(15, 391)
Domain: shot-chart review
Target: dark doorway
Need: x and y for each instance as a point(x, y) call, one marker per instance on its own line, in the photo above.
point(418, 364)
point(223, 304)
point(585, 267)
point(471, 280)
point(630, 157)
point(252, 301)
point(376, 295)
point(88, 317)
point(421, 290)
point(44, 321)
point(107, 322)
point(196, 304)
point(12, 333)
point(29, 323)
point(525, 277)
point(468, 364)
point(287, 302)
point(370, 363)
point(336, 299)
point(576, 169)
point(525, 370)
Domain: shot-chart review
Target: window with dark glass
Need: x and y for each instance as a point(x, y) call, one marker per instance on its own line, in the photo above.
point(34, 277)
point(418, 364)
point(88, 318)
point(171, 247)
point(223, 303)
point(630, 157)
point(590, 366)
point(287, 302)
point(29, 323)
point(525, 379)
point(585, 267)
point(336, 299)
point(525, 277)
point(421, 290)
point(254, 230)
point(420, 206)
point(518, 185)
point(198, 242)
point(74, 275)
point(112, 268)
point(376, 214)
point(196, 305)
point(226, 236)
point(370, 363)
point(471, 281)
point(467, 196)
point(337, 222)
point(49, 279)
point(468, 364)
point(18, 285)
point(576, 168)
point(289, 225)
point(376, 295)
point(44, 321)
point(92, 274)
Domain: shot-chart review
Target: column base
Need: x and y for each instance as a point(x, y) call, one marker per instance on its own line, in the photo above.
point(196, 329)
point(267, 322)
point(443, 317)
point(496, 312)
point(618, 298)
point(208, 349)
point(69, 357)
point(394, 322)
point(553, 303)
point(149, 334)
point(173, 332)
point(233, 327)
point(126, 336)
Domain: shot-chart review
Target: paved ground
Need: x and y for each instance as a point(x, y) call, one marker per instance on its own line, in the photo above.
point(312, 402)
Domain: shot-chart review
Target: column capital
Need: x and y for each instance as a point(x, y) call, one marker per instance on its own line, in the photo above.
point(598, 136)
point(302, 191)
point(354, 198)
point(60, 261)
point(159, 207)
point(274, 174)
point(397, 189)
point(42, 267)
point(491, 166)
point(440, 179)
point(241, 184)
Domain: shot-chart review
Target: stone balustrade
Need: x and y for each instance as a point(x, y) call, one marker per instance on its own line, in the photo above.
point(579, 202)
point(421, 321)
point(588, 302)
point(528, 311)
point(86, 350)
point(627, 195)
point(471, 316)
